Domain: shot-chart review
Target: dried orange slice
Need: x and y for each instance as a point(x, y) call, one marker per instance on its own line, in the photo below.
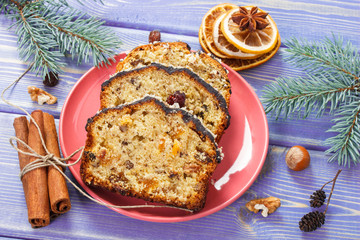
point(202, 41)
point(207, 25)
point(213, 50)
point(257, 41)
point(224, 46)
point(206, 48)
point(242, 64)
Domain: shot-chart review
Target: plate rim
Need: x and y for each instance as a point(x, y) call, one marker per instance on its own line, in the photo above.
point(194, 216)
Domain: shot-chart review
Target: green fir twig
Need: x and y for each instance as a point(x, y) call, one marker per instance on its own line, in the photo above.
point(47, 30)
point(345, 145)
point(331, 84)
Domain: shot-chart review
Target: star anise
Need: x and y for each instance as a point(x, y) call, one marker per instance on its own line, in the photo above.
point(250, 19)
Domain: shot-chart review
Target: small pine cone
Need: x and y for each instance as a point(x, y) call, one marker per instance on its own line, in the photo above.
point(311, 221)
point(317, 199)
point(51, 79)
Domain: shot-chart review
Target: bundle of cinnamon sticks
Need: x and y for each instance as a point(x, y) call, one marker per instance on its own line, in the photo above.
point(45, 188)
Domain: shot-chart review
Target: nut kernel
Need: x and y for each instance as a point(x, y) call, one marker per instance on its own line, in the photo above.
point(271, 203)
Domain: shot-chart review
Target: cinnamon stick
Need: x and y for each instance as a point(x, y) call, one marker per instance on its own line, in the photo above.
point(22, 132)
point(37, 196)
point(58, 191)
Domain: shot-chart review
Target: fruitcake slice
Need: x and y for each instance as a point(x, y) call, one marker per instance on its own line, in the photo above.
point(147, 150)
point(171, 85)
point(178, 54)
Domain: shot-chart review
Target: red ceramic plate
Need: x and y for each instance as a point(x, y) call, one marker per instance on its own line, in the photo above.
point(244, 144)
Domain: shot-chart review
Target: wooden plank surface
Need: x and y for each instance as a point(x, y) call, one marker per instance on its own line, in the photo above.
point(87, 220)
point(310, 19)
point(180, 20)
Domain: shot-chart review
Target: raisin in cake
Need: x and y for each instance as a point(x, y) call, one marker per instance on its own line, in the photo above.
point(147, 150)
point(178, 54)
point(200, 98)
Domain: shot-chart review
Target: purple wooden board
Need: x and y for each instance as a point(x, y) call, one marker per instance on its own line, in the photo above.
point(180, 20)
point(310, 19)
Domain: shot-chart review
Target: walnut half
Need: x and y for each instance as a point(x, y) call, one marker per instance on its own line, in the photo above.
point(41, 96)
point(270, 203)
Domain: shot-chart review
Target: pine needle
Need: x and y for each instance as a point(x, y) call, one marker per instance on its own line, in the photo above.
point(331, 85)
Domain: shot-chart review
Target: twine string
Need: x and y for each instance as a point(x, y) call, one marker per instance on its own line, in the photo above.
point(22, 109)
point(51, 160)
point(43, 161)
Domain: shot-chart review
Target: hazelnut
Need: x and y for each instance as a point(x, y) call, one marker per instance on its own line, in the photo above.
point(297, 158)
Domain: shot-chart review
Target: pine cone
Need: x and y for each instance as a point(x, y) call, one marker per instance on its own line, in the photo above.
point(317, 199)
point(311, 221)
point(51, 79)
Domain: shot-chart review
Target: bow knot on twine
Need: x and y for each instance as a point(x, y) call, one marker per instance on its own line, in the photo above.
point(43, 161)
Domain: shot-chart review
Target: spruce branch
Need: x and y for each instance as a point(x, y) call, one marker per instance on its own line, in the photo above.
point(81, 36)
point(34, 45)
point(288, 95)
point(331, 85)
point(347, 124)
point(332, 55)
point(48, 30)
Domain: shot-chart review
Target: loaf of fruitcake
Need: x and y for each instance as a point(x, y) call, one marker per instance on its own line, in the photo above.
point(147, 150)
point(179, 54)
point(177, 86)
